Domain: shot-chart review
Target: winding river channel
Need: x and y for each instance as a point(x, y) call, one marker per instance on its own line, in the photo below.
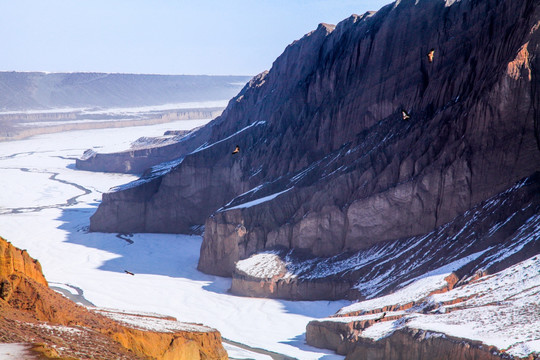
point(45, 206)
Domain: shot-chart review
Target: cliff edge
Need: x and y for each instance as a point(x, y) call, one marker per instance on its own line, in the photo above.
point(328, 162)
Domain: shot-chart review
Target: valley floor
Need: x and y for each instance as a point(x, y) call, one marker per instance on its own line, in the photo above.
point(45, 208)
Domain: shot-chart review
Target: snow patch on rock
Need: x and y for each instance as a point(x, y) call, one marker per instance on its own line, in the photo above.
point(263, 266)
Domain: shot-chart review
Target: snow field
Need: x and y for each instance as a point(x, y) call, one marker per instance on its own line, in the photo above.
point(16, 352)
point(166, 279)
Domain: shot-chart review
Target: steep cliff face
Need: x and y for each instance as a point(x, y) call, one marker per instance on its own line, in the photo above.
point(31, 312)
point(400, 178)
point(13, 261)
point(327, 164)
point(420, 345)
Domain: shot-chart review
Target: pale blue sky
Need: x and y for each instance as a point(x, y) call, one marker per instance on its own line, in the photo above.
point(240, 37)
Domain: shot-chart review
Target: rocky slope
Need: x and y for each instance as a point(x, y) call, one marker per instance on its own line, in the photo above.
point(327, 164)
point(423, 321)
point(60, 329)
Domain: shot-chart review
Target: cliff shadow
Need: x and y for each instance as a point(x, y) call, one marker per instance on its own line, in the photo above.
point(299, 341)
point(172, 255)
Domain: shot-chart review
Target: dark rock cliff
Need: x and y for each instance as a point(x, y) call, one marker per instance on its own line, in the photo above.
point(143, 156)
point(418, 345)
point(327, 164)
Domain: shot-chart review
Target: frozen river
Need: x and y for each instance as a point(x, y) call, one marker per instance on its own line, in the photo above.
point(45, 206)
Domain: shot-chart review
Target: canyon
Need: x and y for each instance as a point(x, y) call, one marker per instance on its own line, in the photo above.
point(336, 195)
point(45, 208)
point(341, 225)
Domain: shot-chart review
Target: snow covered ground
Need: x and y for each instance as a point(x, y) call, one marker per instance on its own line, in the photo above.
point(45, 205)
point(502, 309)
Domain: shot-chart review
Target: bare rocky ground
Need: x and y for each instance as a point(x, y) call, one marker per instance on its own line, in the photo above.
point(485, 317)
point(58, 342)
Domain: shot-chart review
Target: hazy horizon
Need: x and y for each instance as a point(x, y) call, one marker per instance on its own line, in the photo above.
point(237, 37)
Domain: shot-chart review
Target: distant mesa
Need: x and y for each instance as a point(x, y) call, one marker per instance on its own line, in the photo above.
point(36, 103)
point(46, 91)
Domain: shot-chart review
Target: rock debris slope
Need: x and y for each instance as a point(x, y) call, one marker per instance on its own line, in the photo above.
point(328, 165)
point(491, 236)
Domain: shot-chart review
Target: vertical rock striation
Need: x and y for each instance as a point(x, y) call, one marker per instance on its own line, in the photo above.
point(328, 165)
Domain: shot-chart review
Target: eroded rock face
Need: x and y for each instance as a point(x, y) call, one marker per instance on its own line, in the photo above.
point(14, 261)
point(323, 130)
point(418, 345)
point(141, 157)
point(496, 233)
point(434, 319)
point(397, 179)
point(266, 275)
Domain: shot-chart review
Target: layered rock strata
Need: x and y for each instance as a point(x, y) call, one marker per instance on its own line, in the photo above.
point(31, 312)
point(328, 165)
point(440, 321)
point(22, 125)
point(414, 344)
point(493, 235)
